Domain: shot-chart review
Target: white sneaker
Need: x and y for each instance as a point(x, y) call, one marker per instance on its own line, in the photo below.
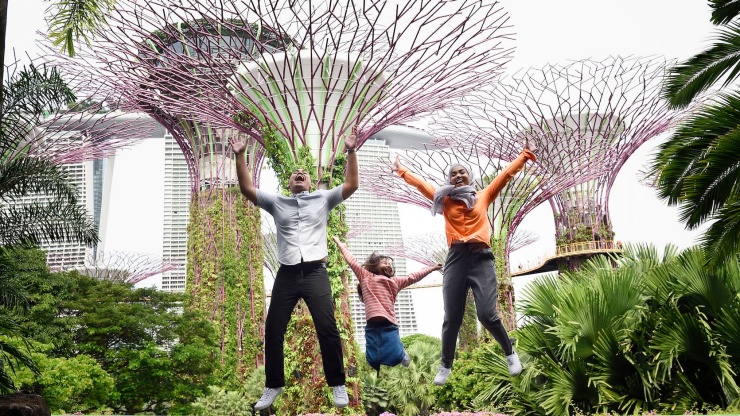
point(406, 359)
point(340, 396)
point(515, 367)
point(441, 377)
point(268, 396)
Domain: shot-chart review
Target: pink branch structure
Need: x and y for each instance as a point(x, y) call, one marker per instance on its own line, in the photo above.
point(523, 238)
point(126, 267)
point(357, 228)
point(92, 128)
point(427, 249)
point(308, 70)
point(587, 117)
point(270, 248)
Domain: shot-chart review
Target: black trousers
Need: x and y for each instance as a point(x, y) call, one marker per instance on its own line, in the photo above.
point(470, 266)
point(309, 281)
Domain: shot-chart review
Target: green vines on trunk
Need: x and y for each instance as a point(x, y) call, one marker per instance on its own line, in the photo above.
point(306, 390)
point(506, 297)
point(224, 276)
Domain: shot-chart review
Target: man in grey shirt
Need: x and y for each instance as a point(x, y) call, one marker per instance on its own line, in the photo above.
point(300, 221)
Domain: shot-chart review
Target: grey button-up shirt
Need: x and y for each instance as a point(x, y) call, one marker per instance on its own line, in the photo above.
point(300, 221)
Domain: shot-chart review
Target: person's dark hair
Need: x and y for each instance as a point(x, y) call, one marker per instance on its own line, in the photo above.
point(372, 264)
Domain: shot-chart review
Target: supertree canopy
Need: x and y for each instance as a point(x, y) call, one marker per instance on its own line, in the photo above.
point(126, 267)
point(293, 77)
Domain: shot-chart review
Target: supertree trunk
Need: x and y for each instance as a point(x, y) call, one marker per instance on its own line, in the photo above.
point(225, 279)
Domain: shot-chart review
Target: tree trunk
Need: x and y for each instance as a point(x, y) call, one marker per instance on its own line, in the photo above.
point(224, 276)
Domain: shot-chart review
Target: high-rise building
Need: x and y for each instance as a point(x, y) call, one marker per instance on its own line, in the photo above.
point(384, 229)
point(176, 215)
point(93, 182)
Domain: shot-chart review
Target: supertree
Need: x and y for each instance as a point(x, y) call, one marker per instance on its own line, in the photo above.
point(142, 65)
point(588, 117)
point(126, 267)
point(293, 77)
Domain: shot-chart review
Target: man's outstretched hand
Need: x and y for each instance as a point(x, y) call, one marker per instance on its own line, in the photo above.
point(238, 145)
point(350, 142)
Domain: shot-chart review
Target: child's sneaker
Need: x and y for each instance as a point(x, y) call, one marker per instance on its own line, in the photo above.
point(340, 396)
point(515, 367)
point(442, 375)
point(268, 396)
point(406, 359)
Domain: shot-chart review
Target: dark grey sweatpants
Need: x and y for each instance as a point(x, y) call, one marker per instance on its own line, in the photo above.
point(470, 265)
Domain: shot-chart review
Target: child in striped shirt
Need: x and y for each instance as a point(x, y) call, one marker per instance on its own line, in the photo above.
point(378, 289)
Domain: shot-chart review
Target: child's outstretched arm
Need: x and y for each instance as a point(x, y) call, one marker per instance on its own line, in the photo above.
point(359, 271)
point(416, 276)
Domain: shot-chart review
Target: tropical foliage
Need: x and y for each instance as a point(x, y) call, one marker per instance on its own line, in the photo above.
point(28, 222)
point(697, 167)
point(659, 333)
point(137, 350)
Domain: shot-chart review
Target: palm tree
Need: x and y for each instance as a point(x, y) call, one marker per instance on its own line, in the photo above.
point(697, 167)
point(410, 389)
point(69, 21)
point(54, 217)
point(660, 332)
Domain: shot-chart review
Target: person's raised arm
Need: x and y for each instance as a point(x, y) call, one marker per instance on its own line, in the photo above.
point(352, 178)
point(350, 259)
point(424, 187)
point(242, 171)
point(498, 183)
point(416, 276)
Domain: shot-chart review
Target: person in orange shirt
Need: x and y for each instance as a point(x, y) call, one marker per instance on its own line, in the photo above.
point(470, 262)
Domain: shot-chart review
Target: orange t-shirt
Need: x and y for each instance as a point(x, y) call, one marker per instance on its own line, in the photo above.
point(471, 225)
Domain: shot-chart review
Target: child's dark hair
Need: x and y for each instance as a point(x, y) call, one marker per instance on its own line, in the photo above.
point(372, 264)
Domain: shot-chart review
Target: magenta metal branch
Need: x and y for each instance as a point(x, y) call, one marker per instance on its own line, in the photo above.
point(126, 267)
point(427, 249)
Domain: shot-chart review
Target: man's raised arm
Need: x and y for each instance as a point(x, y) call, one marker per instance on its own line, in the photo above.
point(242, 171)
point(352, 178)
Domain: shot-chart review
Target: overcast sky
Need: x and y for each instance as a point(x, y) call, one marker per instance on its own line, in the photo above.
point(547, 31)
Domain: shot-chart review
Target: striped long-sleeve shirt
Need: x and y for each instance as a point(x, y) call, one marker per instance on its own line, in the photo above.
point(379, 292)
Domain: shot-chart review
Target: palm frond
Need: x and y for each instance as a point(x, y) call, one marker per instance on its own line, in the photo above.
point(539, 299)
point(72, 20)
point(728, 332)
point(709, 190)
point(684, 155)
point(722, 60)
point(27, 94)
point(25, 175)
point(723, 11)
point(695, 285)
point(721, 241)
point(29, 225)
